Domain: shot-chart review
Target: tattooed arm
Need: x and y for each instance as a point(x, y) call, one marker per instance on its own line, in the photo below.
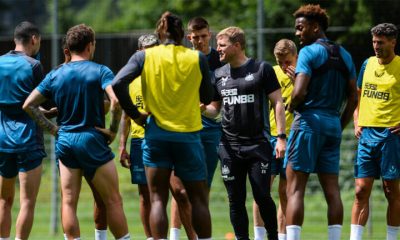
point(116, 111)
point(31, 106)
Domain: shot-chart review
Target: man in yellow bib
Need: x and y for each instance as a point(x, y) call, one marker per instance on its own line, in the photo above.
point(175, 80)
point(377, 125)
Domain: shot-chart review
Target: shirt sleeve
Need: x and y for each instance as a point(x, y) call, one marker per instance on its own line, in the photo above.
point(304, 62)
point(45, 86)
point(124, 77)
point(271, 82)
point(361, 74)
point(206, 88)
point(107, 76)
point(38, 73)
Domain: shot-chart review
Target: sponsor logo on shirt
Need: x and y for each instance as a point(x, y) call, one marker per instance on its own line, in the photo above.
point(231, 97)
point(371, 91)
point(224, 80)
point(249, 77)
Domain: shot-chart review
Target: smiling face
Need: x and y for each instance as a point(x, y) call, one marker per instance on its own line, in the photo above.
point(306, 31)
point(226, 49)
point(200, 39)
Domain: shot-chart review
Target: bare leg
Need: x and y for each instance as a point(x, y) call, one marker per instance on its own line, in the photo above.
point(198, 195)
point(7, 192)
point(360, 211)
point(145, 208)
point(296, 184)
point(105, 181)
point(99, 209)
point(181, 206)
point(330, 186)
point(392, 193)
point(282, 206)
point(158, 183)
point(71, 180)
point(29, 188)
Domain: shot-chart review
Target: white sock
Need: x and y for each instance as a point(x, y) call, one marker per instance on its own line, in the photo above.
point(391, 232)
point(259, 233)
point(204, 239)
point(293, 232)
point(356, 232)
point(334, 232)
point(150, 238)
point(100, 234)
point(174, 233)
point(18, 238)
point(281, 236)
point(126, 237)
point(7, 238)
point(78, 238)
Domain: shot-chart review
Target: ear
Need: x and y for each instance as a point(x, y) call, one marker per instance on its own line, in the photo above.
point(189, 37)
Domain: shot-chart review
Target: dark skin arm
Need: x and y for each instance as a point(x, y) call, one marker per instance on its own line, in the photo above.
point(300, 90)
point(351, 103)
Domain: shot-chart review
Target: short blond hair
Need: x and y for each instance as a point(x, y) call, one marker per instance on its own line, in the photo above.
point(284, 47)
point(234, 34)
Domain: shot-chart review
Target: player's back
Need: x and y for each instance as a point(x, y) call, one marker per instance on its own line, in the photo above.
point(17, 79)
point(77, 89)
point(19, 75)
point(171, 80)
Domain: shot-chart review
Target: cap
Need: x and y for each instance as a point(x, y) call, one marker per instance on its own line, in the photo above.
point(147, 40)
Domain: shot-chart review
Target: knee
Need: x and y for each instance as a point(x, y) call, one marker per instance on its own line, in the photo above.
point(391, 195)
point(181, 196)
point(362, 194)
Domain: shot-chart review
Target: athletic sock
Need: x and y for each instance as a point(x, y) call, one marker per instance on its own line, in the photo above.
point(65, 237)
point(259, 233)
point(293, 232)
point(7, 238)
point(100, 234)
point(150, 238)
point(126, 237)
point(18, 238)
point(356, 232)
point(334, 232)
point(391, 232)
point(281, 236)
point(174, 233)
point(204, 239)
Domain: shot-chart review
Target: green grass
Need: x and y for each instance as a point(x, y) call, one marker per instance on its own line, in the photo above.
point(315, 223)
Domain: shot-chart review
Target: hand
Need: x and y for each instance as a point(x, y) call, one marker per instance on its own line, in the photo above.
point(108, 133)
point(395, 129)
point(291, 72)
point(357, 130)
point(141, 120)
point(202, 107)
point(52, 112)
point(280, 148)
point(124, 158)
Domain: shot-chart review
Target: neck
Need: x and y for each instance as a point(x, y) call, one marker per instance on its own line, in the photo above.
point(22, 48)
point(387, 60)
point(207, 51)
point(79, 57)
point(239, 60)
